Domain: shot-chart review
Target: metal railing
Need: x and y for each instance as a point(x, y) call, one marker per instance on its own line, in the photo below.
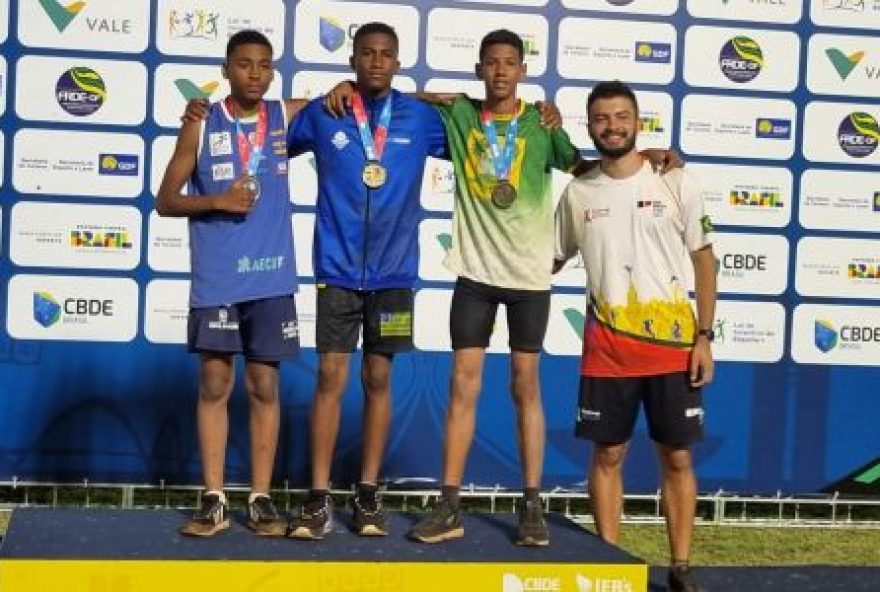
point(719, 508)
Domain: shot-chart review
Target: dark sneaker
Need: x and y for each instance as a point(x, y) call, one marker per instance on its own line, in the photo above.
point(442, 524)
point(211, 517)
point(532, 530)
point(682, 579)
point(315, 518)
point(264, 519)
point(369, 516)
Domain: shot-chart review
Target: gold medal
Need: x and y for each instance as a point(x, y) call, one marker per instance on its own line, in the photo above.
point(503, 195)
point(374, 175)
point(252, 185)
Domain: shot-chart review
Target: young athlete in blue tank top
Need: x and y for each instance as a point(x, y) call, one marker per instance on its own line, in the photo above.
point(243, 273)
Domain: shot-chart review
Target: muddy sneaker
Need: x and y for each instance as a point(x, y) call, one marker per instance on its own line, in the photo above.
point(532, 530)
point(315, 518)
point(264, 519)
point(211, 517)
point(442, 524)
point(682, 579)
point(369, 516)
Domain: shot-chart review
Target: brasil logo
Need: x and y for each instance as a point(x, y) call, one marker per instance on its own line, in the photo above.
point(61, 15)
point(741, 59)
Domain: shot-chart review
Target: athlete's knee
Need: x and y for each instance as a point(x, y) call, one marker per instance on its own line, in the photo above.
point(609, 457)
point(332, 375)
point(215, 387)
point(676, 459)
point(524, 384)
point(466, 384)
point(376, 380)
point(262, 388)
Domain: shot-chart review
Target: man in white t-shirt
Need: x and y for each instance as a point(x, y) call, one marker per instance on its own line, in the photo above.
point(637, 232)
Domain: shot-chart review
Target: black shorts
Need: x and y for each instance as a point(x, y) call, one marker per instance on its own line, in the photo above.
point(608, 409)
point(386, 317)
point(475, 305)
point(263, 330)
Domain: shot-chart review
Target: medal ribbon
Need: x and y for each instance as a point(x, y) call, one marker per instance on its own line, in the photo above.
point(374, 143)
point(250, 152)
point(501, 160)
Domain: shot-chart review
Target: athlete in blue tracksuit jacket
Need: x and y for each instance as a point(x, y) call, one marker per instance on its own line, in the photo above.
point(365, 259)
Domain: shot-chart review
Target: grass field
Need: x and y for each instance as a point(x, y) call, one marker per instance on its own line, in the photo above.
point(733, 545)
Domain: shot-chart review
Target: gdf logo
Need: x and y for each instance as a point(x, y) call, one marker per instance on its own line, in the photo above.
point(741, 59)
point(858, 134)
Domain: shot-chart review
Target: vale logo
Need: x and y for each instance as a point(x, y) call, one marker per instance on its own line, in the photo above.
point(844, 64)
point(191, 91)
point(62, 15)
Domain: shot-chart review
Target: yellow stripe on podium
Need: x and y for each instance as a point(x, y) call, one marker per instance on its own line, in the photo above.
point(24, 575)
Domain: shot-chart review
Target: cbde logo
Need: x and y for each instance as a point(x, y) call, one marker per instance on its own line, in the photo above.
point(858, 134)
point(47, 311)
point(741, 59)
point(827, 337)
point(60, 15)
point(80, 91)
point(331, 34)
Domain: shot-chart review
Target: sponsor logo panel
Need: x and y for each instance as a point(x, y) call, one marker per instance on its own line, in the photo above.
point(838, 268)
point(841, 133)
point(438, 185)
point(857, 14)
point(96, 164)
point(843, 65)
point(168, 244)
point(99, 25)
point(435, 241)
point(431, 326)
point(745, 195)
point(166, 311)
point(81, 90)
point(766, 11)
point(660, 7)
point(751, 263)
point(655, 117)
point(303, 226)
point(175, 84)
point(607, 49)
point(324, 30)
point(741, 58)
point(309, 84)
point(511, 2)
point(454, 36)
point(72, 308)
point(3, 79)
point(307, 314)
point(564, 578)
point(476, 89)
point(163, 148)
point(565, 329)
point(749, 331)
point(738, 127)
point(829, 334)
point(4, 20)
point(840, 200)
point(75, 235)
point(202, 27)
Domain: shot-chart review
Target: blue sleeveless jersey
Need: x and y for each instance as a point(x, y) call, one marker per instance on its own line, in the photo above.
point(234, 257)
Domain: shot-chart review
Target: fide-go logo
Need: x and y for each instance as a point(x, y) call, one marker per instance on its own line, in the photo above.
point(858, 134)
point(80, 91)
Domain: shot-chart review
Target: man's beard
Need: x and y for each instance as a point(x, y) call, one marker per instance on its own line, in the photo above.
point(614, 153)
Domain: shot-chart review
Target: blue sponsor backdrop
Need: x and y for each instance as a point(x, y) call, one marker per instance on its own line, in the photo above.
point(125, 411)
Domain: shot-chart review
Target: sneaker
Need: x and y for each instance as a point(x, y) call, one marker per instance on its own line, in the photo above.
point(315, 518)
point(211, 517)
point(369, 516)
point(682, 579)
point(442, 524)
point(532, 530)
point(264, 519)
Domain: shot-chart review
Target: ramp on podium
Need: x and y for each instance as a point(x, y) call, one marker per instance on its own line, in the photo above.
point(79, 550)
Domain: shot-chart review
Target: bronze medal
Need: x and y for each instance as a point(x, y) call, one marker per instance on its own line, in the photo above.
point(374, 175)
point(503, 195)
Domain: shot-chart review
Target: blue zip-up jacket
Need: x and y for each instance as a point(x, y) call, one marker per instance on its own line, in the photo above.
point(368, 239)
